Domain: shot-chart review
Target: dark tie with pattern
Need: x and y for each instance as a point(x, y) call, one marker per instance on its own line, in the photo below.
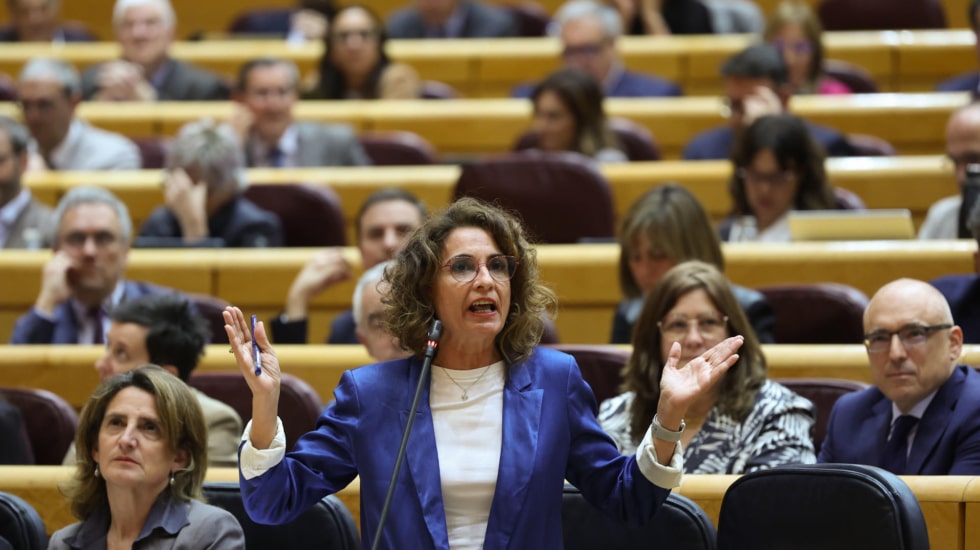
point(95, 315)
point(897, 448)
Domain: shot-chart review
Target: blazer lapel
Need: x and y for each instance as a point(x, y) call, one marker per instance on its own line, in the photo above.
point(934, 422)
point(873, 433)
point(522, 417)
point(423, 467)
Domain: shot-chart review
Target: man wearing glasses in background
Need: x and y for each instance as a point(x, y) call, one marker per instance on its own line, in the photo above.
point(922, 417)
point(84, 278)
point(588, 32)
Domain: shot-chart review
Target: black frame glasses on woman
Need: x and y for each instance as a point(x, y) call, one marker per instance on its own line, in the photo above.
point(465, 268)
point(912, 335)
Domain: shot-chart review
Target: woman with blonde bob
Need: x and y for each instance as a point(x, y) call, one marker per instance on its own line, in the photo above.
point(142, 455)
point(744, 422)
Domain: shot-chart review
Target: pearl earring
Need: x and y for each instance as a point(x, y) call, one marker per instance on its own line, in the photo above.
point(171, 479)
point(96, 470)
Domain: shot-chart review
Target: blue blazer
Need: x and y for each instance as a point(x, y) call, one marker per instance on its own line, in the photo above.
point(31, 328)
point(968, 82)
point(550, 433)
point(947, 440)
point(630, 84)
point(963, 294)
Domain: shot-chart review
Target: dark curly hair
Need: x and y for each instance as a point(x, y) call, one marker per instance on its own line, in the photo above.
point(409, 304)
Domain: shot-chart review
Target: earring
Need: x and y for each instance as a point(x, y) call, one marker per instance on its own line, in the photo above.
point(171, 479)
point(96, 470)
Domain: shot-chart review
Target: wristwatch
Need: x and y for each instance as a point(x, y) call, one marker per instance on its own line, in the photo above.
point(663, 434)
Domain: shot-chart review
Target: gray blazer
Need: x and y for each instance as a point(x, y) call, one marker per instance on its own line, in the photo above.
point(96, 149)
point(479, 21)
point(184, 82)
point(323, 145)
point(34, 228)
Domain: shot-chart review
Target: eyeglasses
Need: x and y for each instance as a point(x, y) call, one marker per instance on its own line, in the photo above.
point(77, 239)
point(465, 268)
point(364, 35)
point(585, 50)
point(751, 176)
point(880, 341)
point(676, 328)
point(797, 46)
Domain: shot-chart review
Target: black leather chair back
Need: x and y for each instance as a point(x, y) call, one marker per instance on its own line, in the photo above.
point(311, 216)
point(679, 525)
point(834, 313)
point(601, 366)
point(20, 524)
point(328, 525)
point(821, 506)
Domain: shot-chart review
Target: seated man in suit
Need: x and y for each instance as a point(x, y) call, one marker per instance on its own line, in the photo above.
point(266, 91)
point(203, 195)
point(588, 32)
point(756, 83)
point(15, 446)
point(450, 19)
point(24, 222)
point(968, 82)
point(369, 314)
point(39, 21)
point(49, 91)
point(384, 222)
point(163, 329)
point(947, 217)
point(84, 278)
point(922, 417)
point(962, 292)
point(146, 72)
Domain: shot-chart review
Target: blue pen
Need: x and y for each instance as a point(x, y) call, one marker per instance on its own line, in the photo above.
point(255, 350)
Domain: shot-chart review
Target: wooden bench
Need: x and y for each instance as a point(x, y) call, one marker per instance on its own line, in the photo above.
point(913, 123)
point(584, 276)
point(914, 182)
point(949, 503)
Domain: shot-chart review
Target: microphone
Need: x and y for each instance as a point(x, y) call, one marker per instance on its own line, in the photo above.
point(431, 345)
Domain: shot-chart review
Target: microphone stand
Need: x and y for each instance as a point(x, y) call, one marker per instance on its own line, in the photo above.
point(435, 332)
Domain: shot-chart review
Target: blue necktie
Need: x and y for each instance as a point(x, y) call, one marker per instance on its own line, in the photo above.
point(897, 447)
point(95, 314)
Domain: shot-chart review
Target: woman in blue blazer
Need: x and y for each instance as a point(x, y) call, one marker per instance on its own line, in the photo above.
point(501, 423)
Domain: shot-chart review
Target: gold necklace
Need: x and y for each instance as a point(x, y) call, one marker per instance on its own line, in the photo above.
point(466, 390)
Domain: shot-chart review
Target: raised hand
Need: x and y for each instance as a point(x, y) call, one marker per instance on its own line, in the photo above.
point(680, 386)
point(56, 282)
point(264, 386)
point(322, 271)
point(188, 202)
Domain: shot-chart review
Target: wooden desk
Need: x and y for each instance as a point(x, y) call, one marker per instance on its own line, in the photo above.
point(913, 123)
point(584, 276)
point(899, 61)
point(883, 182)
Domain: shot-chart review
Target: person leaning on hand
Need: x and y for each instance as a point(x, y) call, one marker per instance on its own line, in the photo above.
point(502, 423)
point(142, 457)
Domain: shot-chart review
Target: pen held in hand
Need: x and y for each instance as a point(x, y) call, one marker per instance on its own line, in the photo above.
point(255, 350)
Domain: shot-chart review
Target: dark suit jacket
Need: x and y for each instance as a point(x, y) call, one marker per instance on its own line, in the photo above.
point(967, 82)
point(753, 303)
point(15, 447)
point(73, 32)
point(323, 145)
point(31, 328)
point(947, 440)
point(184, 82)
point(479, 21)
point(963, 294)
point(550, 434)
point(342, 330)
point(629, 84)
point(239, 224)
point(37, 220)
point(716, 143)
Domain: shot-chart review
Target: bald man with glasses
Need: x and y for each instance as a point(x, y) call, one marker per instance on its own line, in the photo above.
point(922, 417)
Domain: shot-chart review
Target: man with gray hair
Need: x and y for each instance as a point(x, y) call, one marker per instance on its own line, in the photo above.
point(369, 316)
point(588, 32)
point(24, 222)
point(266, 91)
point(84, 278)
point(49, 92)
point(202, 194)
point(146, 72)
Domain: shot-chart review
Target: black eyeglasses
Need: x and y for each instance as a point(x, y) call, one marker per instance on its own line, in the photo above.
point(465, 268)
point(910, 336)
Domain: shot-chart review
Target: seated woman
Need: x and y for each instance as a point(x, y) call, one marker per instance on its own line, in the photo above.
point(796, 32)
point(142, 456)
point(664, 227)
point(744, 422)
point(354, 63)
point(778, 167)
point(568, 116)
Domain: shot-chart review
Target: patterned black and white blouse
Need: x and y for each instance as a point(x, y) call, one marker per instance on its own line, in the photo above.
point(776, 431)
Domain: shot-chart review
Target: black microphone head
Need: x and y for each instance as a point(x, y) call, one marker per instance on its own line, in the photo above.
point(435, 331)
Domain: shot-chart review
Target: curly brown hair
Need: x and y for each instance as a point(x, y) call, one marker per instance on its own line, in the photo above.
point(409, 305)
point(181, 421)
point(641, 374)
